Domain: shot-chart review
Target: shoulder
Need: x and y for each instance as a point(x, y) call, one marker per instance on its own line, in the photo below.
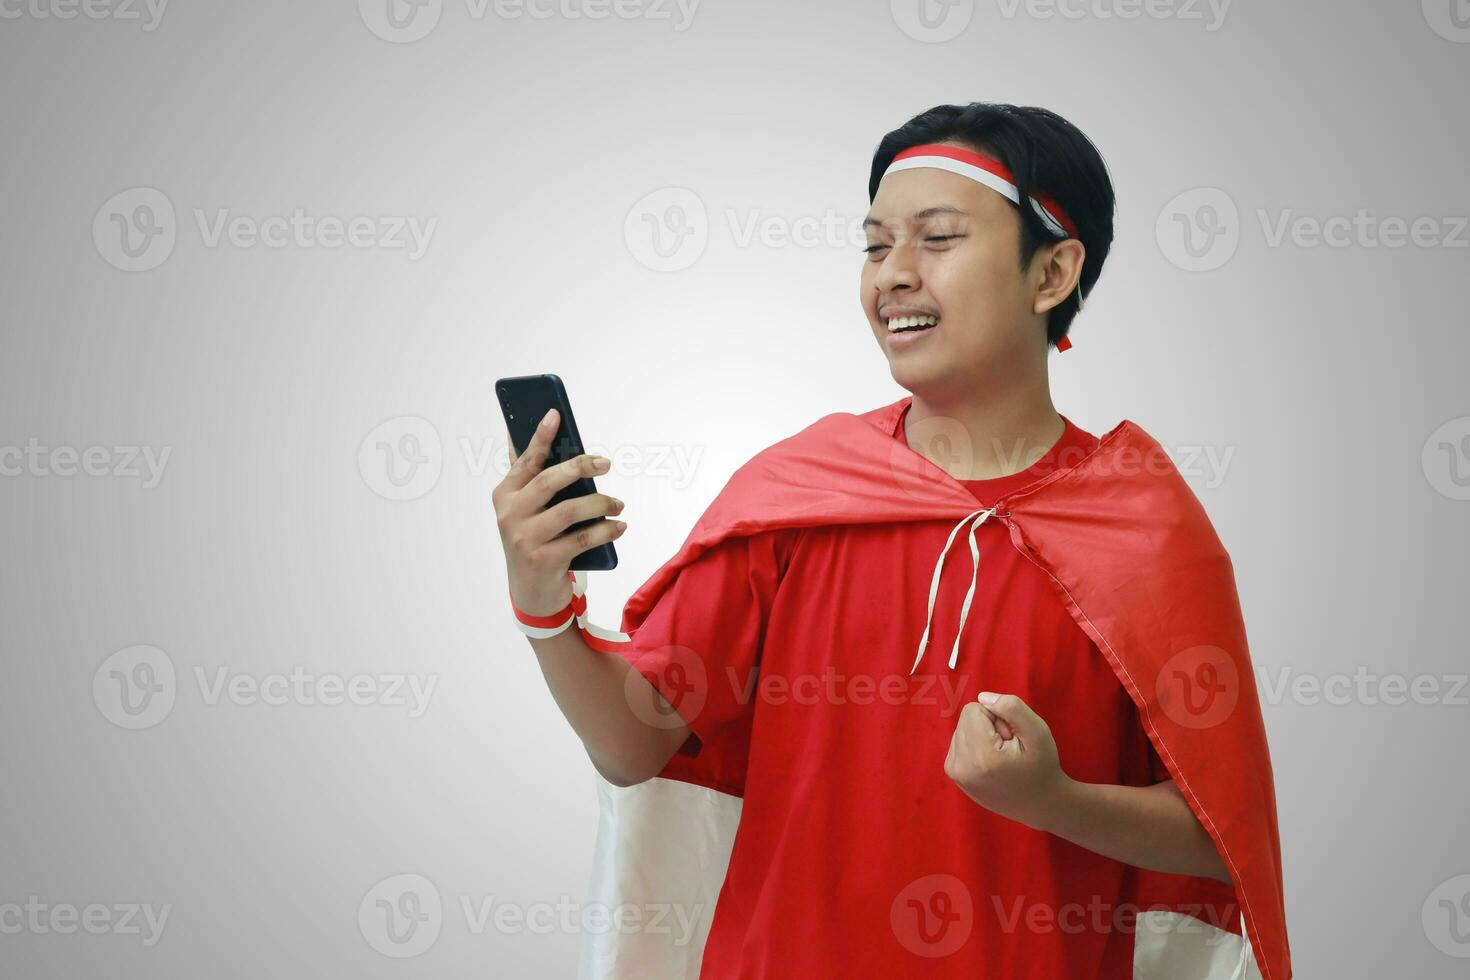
point(1147, 464)
point(1129, 483)
point(756, 550)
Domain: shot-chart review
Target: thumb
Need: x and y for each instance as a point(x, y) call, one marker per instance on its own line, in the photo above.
point(1013, 712)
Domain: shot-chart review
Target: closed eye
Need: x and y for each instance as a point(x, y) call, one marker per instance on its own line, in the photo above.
point(932, 238)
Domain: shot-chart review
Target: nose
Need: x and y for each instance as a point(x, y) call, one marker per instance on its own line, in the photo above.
point(898, 270)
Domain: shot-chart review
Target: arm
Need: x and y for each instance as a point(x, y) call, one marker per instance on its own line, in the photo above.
point(1146, 826)
point(1019, 776)
point(593, 690)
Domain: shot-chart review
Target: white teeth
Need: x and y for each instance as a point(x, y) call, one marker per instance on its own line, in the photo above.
point(900, 322)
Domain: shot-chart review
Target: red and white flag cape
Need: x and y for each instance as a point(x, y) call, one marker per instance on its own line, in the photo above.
point(1136, 563)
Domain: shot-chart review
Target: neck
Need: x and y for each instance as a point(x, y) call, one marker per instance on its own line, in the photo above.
point(1004, 432)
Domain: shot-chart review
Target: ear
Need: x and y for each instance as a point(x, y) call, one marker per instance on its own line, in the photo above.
point(1060, 267)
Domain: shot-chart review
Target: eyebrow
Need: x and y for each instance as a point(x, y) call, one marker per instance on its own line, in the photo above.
point(918, 216)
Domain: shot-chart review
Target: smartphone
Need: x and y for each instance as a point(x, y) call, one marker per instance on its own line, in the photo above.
point(524, 401)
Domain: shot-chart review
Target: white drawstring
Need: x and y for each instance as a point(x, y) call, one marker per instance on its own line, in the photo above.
point(970, 594)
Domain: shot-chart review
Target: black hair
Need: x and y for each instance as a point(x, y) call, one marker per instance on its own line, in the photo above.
point(1044, 152)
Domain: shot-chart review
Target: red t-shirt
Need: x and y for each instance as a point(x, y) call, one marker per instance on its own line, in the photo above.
point(788, 654)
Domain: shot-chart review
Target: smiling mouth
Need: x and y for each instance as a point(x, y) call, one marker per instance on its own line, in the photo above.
point(911, 324)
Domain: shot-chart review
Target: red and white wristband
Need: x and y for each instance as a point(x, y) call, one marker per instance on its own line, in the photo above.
point(574, 613)
point(545, 627)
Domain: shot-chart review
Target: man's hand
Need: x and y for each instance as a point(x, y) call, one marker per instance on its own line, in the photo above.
point(1003, 757)
point(538, 547)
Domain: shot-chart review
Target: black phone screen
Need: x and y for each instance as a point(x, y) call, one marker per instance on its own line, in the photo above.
point(524, 401)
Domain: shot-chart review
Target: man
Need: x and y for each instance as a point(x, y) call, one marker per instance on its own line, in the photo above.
point(1053, 766)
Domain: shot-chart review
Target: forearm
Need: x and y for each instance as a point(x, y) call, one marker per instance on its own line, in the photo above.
point(592, 690)
point(1149, 827)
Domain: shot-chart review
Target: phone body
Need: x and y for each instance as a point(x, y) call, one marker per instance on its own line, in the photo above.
point(524, 401)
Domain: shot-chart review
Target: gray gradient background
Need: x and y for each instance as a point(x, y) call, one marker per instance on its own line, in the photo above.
point(266, 546)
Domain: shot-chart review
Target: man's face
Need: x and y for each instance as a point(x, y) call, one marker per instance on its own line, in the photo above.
point(949, 246)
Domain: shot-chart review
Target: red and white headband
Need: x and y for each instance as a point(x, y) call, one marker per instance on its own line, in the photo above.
point(995, 175)
point(988, 171)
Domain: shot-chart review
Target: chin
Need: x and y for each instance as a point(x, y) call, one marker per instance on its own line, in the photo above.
point(918, 378)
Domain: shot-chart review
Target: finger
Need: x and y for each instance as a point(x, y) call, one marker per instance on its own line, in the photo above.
point(1023, 721)
point(554, 520)
point(544, 485)
point(977, 720)
point(573, 543)
point(524, 467)
point(1002, 727)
